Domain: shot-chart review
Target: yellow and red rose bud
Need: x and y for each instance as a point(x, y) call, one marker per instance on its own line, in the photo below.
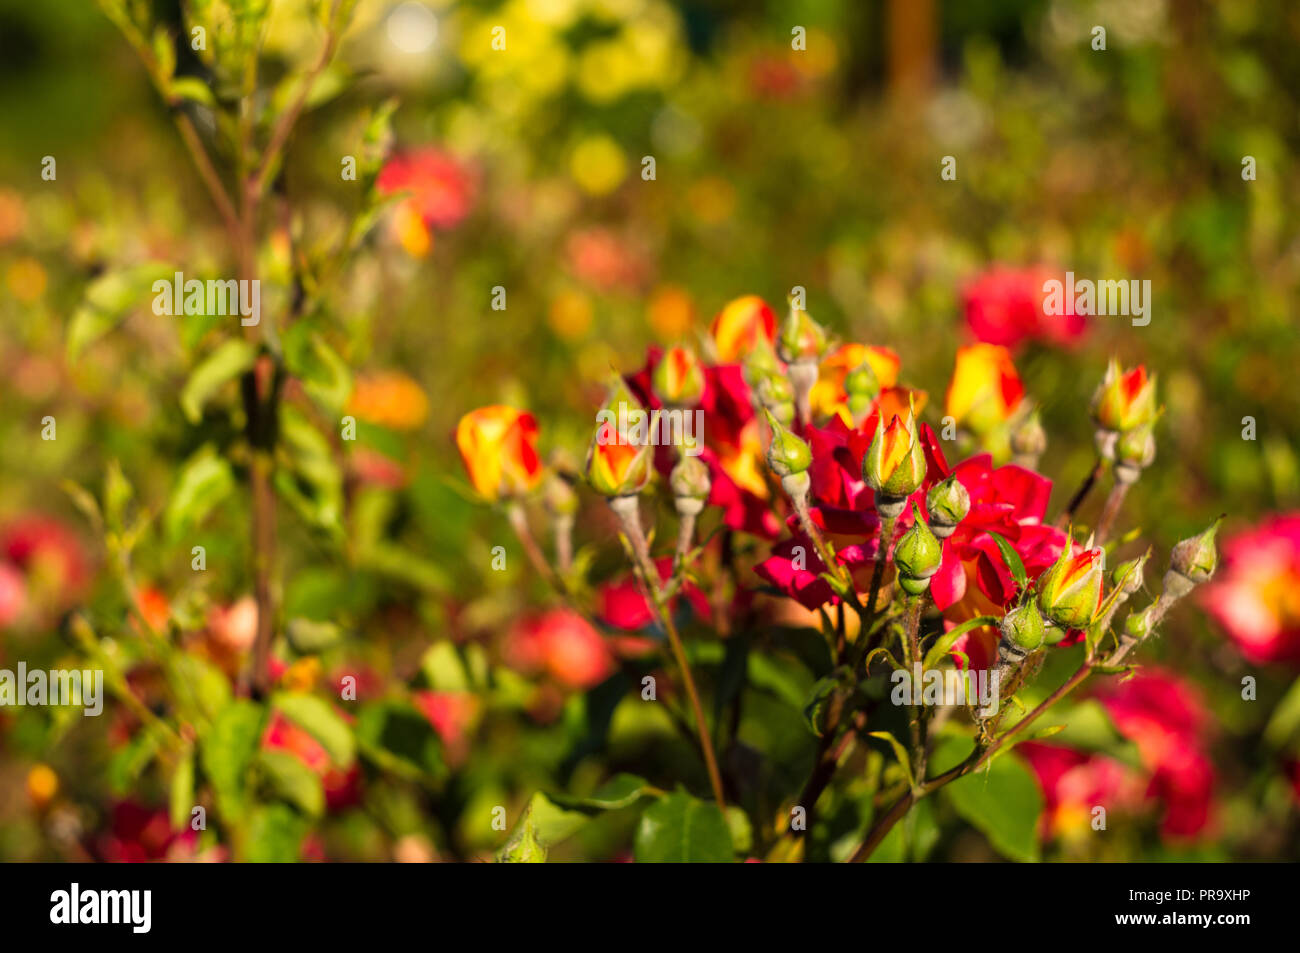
point(498, 446)
point(690, 484)
point(894, 465)
point(742, 326)
point(917, 556)
point(802, 340)
point(1125, 399)
point(616, 467)
point(679, 377)
point(1135, 450)
point(1196, 558)
point(947, 504)
point(787, 454)
point(1022, 632)
point(1069, 593)
point(985, 389)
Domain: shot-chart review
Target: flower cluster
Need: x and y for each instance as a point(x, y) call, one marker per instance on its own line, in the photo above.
point(856, 525)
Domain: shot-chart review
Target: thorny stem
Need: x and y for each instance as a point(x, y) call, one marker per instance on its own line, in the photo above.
point(980, 756)
point(878, 571)
point(625, 508)
point(916, 728)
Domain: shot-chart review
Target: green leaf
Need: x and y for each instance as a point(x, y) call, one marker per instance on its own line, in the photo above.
point(226, 751)
point(193, 89)
point(205, 480)
point(1002, 800)
point(231, 359)
point(899, 752)
point(397, 738)
point(1012, 559)
point(275, 834)
point(1284, 723)
point(293, 781)
point(683, 829)
point(107, 302)
point(524, 845)
point(319, 719)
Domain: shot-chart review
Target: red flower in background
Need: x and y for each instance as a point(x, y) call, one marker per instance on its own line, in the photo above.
point(342, 786)
point(137, 834)
point(1255, 596)
point(562, 645)
point(441, 187)
point(48, 555)
point(1168, 722)
point(1005, 306)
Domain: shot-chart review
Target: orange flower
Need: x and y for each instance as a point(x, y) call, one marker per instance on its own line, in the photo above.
point(498, 446)
point(985, 389)
point(828, 394)
point(742, 325)
point(1125, 400)
point(894, 465)
point(389, 399)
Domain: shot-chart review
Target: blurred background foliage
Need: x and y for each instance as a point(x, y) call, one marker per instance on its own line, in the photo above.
point(773, 168)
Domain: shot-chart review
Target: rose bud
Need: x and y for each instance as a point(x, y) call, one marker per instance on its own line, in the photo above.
point(862, 387)
point(802, 338)
point(894, 465)
point(776, 396)
point(787, 454)
point(1028, 441)
point(1069, 593)
point(947, 504)
point(690, 484)
point(1192, 562)
point(1022, 632)
point(679, 378)
point(917, 555)
point(1125, 399)
point(745, 325)
point(1128, 576)
point(498, 446)
point(985, 389)
point(614, 467)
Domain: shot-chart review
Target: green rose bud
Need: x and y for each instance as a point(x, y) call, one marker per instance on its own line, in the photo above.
point(947, 504)
point(787, 454)
point(1197, 558)
point(801, 338)
point(917, 555)
point(1128, 575)
point(1022, 631)
point(1028, 439)
point(689, 482)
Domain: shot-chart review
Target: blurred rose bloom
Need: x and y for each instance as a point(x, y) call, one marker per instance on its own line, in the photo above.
point(1256, 595)
point(1005, 306)
point(440, 194)
point(563, 645)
